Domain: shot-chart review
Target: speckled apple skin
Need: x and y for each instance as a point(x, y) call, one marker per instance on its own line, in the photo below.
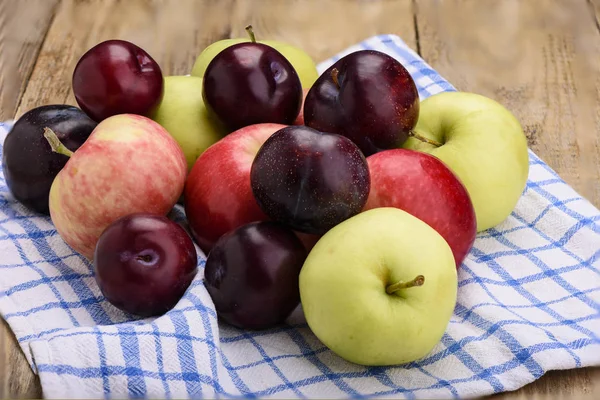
point(129, 164)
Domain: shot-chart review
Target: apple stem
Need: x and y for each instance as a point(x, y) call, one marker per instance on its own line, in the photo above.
point(251, 33)
point(334, 77)
point(414, 134)
point(55, 143)
point(418, 281)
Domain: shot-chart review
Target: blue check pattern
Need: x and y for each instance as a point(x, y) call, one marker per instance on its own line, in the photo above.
point(528, 302)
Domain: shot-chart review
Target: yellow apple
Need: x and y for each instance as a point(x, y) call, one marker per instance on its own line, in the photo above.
point(379, 288)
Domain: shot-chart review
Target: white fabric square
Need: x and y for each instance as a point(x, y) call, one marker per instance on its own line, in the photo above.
point(9, 253)
point(260, 377)
point(25, 278)
point(7, 227)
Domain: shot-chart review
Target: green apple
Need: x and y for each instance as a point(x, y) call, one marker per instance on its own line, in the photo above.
point(183, 114)
point(303, 64)
point(482, 143)
point(379, 288)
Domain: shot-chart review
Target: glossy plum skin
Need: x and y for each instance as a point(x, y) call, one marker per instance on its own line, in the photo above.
point(117, 77)
point(28, 162)
point(309, 180)
point(251, 83)
point(252, 275)
point(144, 263)
point(376, 104)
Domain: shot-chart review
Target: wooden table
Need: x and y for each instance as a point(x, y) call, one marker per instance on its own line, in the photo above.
point(541, 58)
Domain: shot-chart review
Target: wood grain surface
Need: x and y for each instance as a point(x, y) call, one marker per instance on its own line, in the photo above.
point(539, 58)
point(23, 27)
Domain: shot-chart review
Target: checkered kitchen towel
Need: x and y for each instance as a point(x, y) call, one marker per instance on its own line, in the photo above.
point(528, 302)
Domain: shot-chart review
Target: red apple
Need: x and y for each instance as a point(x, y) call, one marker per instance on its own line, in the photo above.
point(425, 187)
point(308, 239)
point(217, 194)
point(300, 118)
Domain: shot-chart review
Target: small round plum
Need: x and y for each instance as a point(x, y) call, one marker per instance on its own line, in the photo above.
point(144, 263)
point(252, 275)
point(28, 162)
point(251, 83)
point(117, 77)
point(309, 180)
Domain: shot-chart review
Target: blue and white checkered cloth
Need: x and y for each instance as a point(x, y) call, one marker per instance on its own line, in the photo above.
point(528, 302)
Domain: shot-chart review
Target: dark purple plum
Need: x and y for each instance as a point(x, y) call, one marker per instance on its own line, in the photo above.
point(367, 96)
point(250, 83)
point(144, 263)
point(117, 77)
point(252, 275)
point(309, 180)
point(28, 162)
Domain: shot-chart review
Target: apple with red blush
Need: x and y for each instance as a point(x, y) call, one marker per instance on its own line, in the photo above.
point(129, 164)
point(217, 194)
point(300, 118)
point(425, 187)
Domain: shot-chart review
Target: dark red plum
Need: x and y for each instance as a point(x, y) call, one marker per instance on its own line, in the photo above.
point(367, 96)
point(309, 180)
point(117, 77)
point(250, 83)
point(252, 275)
point(144, 263)
point(28, 162)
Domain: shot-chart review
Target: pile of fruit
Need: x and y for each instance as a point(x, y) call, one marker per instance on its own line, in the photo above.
point(341, 192)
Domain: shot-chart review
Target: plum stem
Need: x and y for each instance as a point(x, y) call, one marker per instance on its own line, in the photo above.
point(55, 143)
point(422, 138)
point(418, 281)
point(334, 77)
point(251, 33)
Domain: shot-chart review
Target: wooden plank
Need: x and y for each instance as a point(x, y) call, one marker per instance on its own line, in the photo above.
point(16, 377)
point(595, 7)
point(324, 27)
point(23, 27)
point(539, 58)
